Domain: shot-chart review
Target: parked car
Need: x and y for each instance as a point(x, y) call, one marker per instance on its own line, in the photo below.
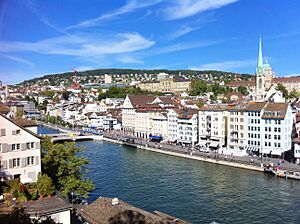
point(204, 149)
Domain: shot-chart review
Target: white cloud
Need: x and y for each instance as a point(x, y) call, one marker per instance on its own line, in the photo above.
point(186, 8)
point(226, 65)
point(182, 46)
point(17, 59)
point(129, 7)
point(183, 31)
point(82, 45)
point(129, 60)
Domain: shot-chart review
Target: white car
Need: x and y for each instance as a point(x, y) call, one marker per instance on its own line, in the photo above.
point(204, 149)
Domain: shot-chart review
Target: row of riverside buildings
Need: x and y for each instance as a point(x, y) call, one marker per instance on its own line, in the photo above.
point(261, 127)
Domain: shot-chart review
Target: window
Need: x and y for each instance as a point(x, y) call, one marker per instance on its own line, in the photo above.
point(30, 160)
point(16, 132)
point(275, 129)
point(279, 144)
point(16, 162)
point(266, 143)
point(279, 129)
point(266, 129)
point(3, 132)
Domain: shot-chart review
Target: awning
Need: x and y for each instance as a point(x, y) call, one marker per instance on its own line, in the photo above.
point(202, 143)
point(214, 144)
point(155, 137)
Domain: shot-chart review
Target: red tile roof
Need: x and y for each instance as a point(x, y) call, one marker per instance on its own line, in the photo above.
point(140, 100)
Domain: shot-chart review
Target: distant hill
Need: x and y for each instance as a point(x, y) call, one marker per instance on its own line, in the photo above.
point(129, 74)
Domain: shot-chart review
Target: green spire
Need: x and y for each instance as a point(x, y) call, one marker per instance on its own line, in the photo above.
point(260, 58)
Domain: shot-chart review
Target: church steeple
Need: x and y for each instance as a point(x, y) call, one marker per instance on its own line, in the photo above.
point(260, 57)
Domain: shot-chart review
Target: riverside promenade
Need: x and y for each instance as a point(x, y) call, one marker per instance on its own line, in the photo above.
point(244, 162)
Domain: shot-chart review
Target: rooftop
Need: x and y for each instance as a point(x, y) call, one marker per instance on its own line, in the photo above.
point(102, 210)
point(25, 122)
point(46, 206)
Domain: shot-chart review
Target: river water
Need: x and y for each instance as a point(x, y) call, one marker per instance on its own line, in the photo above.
point(196, 191)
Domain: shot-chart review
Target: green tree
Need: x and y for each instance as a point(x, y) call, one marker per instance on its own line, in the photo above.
point(66, 95)
point(62, 163)
point(200, 104)
point(45, 185)
point(198, 87)
point(294, 94)
point(101, 95)
point(282, 89)
point(243, 90)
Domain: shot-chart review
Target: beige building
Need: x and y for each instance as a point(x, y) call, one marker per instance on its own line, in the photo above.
point(166, 85)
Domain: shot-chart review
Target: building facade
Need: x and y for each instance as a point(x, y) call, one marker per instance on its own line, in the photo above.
point(166, 85)
point(20, 152)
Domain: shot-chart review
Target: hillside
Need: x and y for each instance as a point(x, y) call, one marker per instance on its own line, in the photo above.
point(128, 75)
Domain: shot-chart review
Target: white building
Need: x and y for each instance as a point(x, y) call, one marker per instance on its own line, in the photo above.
point(20, 151)
point(213, 125)
point(253, 114)
point(187, 123)
point(237, 138)
point(277, 124)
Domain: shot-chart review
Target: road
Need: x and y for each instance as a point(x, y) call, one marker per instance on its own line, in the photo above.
point(253, 160)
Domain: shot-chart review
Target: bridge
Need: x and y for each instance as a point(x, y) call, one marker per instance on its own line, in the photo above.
point(62, 137)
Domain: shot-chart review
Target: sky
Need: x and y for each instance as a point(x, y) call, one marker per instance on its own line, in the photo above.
point(43, 37)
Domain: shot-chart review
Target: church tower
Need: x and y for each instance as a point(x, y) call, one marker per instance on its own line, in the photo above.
point(264, 75)
point(260, 76)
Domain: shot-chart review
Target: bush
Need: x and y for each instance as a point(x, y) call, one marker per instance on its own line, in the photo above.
point(45, 185)
point(33, 193)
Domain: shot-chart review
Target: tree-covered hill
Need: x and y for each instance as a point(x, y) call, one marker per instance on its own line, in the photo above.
point(128, 75)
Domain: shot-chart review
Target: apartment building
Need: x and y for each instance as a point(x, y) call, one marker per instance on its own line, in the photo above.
point(237, 138)
point(129, 115)
point(20, 154)
point(187, 123)
point(172, 125)
point(253, 113)
point(277, 125)
point(213, 121)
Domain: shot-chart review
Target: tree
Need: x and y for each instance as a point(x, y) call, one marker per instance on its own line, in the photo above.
point(294, 94)
point(45, 185)
point(243, 90)
point(66, 95)
point(282, 89)
point(198, 87)
point(200, 104)
point(62, 163)
point(101, 95)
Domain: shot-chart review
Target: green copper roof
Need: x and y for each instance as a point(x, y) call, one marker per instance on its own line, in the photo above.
point(260, 58)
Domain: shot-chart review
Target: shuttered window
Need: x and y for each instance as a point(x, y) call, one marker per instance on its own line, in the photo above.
point(30, 160)
point(3, 132)
point(16, 162)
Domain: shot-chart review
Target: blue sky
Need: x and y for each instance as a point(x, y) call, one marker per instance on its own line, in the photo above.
point(41, 37)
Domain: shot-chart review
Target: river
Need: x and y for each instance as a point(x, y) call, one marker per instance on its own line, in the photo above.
point(192, 190)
